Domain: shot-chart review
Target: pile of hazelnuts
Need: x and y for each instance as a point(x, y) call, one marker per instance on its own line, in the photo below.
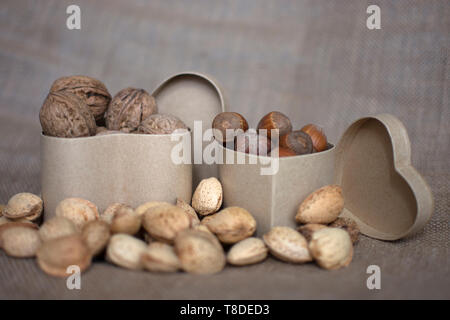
point(232, 130)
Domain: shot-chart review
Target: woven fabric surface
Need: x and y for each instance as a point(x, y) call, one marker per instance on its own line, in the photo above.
point(313, 60)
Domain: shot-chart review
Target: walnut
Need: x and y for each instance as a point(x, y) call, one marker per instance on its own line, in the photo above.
point(65, 115)
point(161, 124)
point(128, 109)
point(92, 91)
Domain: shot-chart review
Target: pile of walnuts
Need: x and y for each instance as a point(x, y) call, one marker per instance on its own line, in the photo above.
point(81, 106)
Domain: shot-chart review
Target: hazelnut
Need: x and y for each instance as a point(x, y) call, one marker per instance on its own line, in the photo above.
point(20, 241)
point(348, 225)
point(322, 206)
point(91, 91)
point(275, 120)
point(195, 221)
point(161, 124)
point(287, 245)
point(308, 229)
point(78, 210)
point(207, 196)
point(96, 235)
point(128, 108)
point(160, 257)
point(231, 225)
point(56, 255)
point(297, 141)
point(24, 205)
point(125, 251)
point(331, 248)
point(227, 124)
point(247, 251)
point(318, 138)
point(64, 115)
point(283, 152)
point(57, 227)
point(199, 252)
point(163, 223)
point(253, 143)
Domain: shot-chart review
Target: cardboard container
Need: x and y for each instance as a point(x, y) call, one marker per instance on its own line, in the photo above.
point(127, 168)
point(131, 168)
point(386, 196)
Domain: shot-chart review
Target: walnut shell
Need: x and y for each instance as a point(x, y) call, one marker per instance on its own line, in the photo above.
point(92, 91)
point(65, 115)
point(161, 124)
point(128, 108)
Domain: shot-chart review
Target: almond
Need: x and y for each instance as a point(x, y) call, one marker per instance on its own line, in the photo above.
point(20, 242)
point(247, 251)
point(160, 257)
point(125, 251)
point(287, 245)
point(207, 197)
point(163, 223)
point(79, 211)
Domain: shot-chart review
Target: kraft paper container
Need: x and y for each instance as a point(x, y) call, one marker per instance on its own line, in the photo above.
point(385, 195)
point(132, 168)
point(127, 168)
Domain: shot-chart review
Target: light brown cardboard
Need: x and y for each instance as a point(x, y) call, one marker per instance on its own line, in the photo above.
point(128, 168)
point(384, 194)
point(192, 97)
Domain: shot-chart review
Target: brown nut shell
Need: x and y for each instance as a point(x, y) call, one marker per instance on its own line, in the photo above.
point(55, 256)
point(297, 141)
point(275, 120)
point(65, 115)
point(161, 124)
point(23, 205)
point(331, 248)
point(253, 143)
point(208, 196)
point(287, 245)
point(20, 241)
point(199, 252)
point(231, 225)
point(318, 138)
point(151, 204)
point(163, 223)
point(128, 109)
point(227, 124)
point(122, 219)
point(322, 206)
point(92, 91)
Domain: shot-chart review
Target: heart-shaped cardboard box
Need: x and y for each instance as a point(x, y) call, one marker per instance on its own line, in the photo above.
point(386, 196)
point(132, 168)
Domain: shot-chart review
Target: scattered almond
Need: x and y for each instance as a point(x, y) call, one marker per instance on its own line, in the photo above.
point(308, 229)
point(195, 221)
point(163, 223)
point(247, 251)
point(79, 211)
point(160, 257)
point(287, 245)
point(322, 206)
point(125, 251)
point(199, 252)
point(231, 225)
point(96, 236)
point(151, 204)
point(20, 242)
point(331, 248)
point(57, 227)
point(55, 256)
point(122, 218)
point(207, 197)
point(23, 205)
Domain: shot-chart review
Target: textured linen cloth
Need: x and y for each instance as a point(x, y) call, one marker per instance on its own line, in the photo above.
point(314, 60)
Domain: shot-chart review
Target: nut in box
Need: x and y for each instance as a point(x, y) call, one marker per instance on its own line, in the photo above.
point(129, 160)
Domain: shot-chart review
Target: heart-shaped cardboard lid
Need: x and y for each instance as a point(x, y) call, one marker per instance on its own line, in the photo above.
point(383, 193)
point(192, 97)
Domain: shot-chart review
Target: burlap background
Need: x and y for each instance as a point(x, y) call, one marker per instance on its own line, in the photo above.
point(314, 60)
